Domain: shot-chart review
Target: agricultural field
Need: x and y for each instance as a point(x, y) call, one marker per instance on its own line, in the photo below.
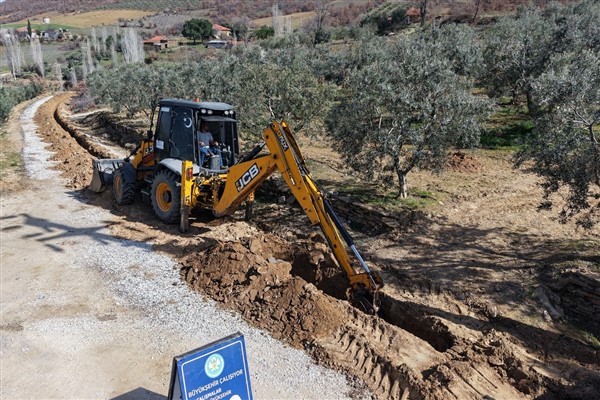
point(84, 20)
point(297, 20)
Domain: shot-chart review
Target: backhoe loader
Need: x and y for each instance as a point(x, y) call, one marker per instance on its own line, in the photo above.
point(166, 169)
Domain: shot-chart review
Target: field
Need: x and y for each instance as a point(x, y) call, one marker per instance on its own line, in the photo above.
point(298, 19)
point(85, 20)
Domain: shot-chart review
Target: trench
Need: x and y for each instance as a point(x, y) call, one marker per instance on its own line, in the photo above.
point(405, 315)
point(413, 318)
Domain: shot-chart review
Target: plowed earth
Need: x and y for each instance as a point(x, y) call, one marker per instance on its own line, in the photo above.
point(474, 306)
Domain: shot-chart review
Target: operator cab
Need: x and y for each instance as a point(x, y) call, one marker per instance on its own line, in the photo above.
point(178, 122)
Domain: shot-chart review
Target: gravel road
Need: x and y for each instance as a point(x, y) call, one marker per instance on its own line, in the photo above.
point(87, 315)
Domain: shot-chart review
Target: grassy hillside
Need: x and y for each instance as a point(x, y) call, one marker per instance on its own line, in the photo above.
point(85, 20)
point(229, 10)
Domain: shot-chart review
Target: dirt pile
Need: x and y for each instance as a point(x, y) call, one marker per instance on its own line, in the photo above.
point(255, 277)
point(254, 280)
point(75, 162)
point(575, 291)
point(461, 162)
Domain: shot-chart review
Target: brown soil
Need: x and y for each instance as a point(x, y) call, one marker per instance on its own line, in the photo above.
point(479, 299)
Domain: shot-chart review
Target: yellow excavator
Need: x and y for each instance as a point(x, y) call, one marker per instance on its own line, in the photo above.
point(166, 169)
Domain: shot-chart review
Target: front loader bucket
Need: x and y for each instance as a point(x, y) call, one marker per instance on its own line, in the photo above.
point(102, 173)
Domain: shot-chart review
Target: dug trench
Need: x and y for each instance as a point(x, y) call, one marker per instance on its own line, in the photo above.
point(289, 285)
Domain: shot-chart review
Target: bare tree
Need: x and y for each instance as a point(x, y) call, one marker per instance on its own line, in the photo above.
point(132, 46)
point(36, 54)
point(59, 76)
point(104, 39)
point(73, 77)
point(277, 20)
point(87, 61)
point(14, 56)
point(94, 40)
point(316, 26)
point(287, 25)
point(113, 47)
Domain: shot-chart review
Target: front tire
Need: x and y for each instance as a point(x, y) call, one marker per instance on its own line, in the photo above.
point(123, 189)
point(166, 196)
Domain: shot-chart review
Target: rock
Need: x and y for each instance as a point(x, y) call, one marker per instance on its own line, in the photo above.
point(316, 257)
point(255, 246)
point(495, 361)
point(546, 316)
point(542, 295)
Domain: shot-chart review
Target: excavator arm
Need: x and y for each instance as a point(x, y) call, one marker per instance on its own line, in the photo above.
point(284, 155)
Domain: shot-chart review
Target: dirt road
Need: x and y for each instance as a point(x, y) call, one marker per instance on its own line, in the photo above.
point(89, 315)
point(484, 297)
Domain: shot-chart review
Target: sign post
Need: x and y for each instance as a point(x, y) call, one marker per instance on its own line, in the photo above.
point(216, 371)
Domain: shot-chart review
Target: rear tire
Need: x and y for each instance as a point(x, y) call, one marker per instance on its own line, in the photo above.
point(123, 190)
point(166, 196)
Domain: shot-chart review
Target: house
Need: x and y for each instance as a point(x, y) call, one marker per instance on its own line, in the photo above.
point(413, 15)
point(51, 34)
point(158, 43)
point(22, 33)
point(217, 44)
point(221, 32)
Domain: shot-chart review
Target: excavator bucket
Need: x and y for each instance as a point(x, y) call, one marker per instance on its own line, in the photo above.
point(102, 173)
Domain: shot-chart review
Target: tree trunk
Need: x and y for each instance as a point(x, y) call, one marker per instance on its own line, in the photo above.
point(402, 184)
point(477, 4)
point(423, 11)
point(532, 106)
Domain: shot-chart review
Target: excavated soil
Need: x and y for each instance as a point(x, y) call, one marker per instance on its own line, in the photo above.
point(484, 298)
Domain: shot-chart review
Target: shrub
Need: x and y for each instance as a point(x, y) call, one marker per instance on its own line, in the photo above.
point(14, 94)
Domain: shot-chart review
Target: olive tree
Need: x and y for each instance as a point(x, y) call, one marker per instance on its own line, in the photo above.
point(262, 85)
point(196, 29)
point(564, 148)
point(516, 51)
point(403, 110)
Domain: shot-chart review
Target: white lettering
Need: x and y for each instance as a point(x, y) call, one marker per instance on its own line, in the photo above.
point(222, 395)
point(231, 376)
point(211, 394)
point(204, 388)
point(247, 177)
point(283, 142)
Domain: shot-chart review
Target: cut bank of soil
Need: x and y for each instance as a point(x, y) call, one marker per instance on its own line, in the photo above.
point(434, 339)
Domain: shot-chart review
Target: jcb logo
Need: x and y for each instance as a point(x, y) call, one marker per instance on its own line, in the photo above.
point(247, 178)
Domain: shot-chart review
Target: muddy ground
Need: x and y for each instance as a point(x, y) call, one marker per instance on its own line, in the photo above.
point(485, 297)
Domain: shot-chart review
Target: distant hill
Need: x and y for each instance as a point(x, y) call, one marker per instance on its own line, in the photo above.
point(16, 10)
point(221, 11)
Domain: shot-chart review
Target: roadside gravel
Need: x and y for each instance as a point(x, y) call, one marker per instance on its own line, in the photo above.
point(88, 315)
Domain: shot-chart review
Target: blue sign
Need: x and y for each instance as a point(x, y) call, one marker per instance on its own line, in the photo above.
point(217, 371)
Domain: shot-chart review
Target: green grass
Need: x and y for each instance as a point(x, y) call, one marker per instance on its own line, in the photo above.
point(8, 160)
point(417, 199)
point(507, 127)
point(39, 27)
point(580, 245)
